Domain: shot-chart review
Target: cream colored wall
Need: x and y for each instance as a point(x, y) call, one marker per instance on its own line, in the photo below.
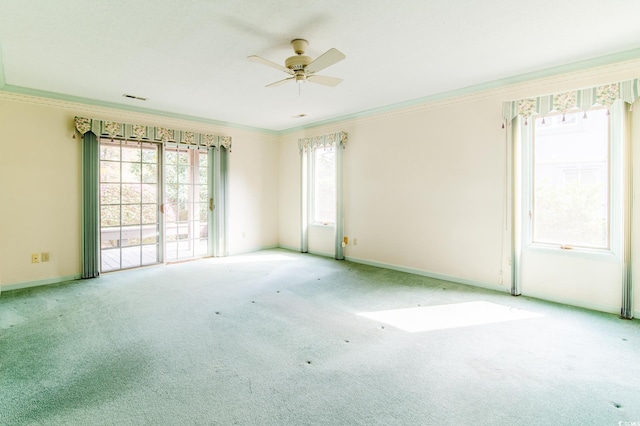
point(418, 194)
point(40, 183)
point(424, 187)
point(253, 193)
point(289, 195)
point(40, 192)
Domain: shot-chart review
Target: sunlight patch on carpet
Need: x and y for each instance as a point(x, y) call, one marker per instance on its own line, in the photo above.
point(428, 318)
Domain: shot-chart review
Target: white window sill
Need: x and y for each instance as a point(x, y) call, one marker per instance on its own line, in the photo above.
point(323, 224)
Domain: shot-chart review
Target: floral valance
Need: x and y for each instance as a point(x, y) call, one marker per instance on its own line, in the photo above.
point(575, 100)
point(326, 141)
point(139, 132)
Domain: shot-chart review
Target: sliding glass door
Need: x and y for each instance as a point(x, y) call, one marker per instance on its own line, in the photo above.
point(129, 204)
point(187, 203)
point(156, 203)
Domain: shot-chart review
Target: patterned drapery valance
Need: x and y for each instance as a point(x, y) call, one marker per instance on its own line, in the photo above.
point(139, 132)
point(575, 100)
point(326, 141)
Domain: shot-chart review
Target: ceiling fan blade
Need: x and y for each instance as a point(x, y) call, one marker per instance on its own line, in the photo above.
point(278, 83)
point(259, 60)
point(325, 60)
point(324, 80)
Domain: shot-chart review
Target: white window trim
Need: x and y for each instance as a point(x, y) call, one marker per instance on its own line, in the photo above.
point(616, 204)
point(312, 183)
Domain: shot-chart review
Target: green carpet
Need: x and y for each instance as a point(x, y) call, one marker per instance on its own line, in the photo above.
point(282, 338)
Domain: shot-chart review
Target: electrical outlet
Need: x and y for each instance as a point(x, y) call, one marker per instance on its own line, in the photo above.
point(35, 258)
point(355, 241)
point(44, 256)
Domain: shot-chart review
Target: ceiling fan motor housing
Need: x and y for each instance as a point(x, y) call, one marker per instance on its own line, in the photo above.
point(298, 62)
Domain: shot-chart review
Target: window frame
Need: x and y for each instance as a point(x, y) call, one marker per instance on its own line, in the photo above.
point(313, 183)
point(615, 181)
point(103, 228)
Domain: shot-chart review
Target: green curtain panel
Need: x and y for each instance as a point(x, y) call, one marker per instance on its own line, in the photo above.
point(219, 166)
point(90, 206)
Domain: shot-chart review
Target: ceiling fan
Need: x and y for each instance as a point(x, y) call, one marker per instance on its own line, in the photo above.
point(303, 68)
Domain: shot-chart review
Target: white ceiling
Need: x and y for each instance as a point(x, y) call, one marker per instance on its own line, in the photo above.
point(189, 57)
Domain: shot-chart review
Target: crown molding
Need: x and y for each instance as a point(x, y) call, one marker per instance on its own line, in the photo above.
point(570, 75)
point(529, 83)
point(116, 112)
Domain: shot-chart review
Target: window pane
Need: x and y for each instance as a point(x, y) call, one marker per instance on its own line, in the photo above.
point(131, 153)
point(149, 213)
point(183, 193)
point(131, 257)
point(109, 171)
point(110, 151)
point(170, 173)
point(110, 215)
point(203, 175)
point(171, 157)
point(149, 193)
point(131, 214)
point(110, 237)
point(149, 153)
point(150, 173)
point(204, 212)
point(150, 254)
point(131, 172)
point(183, 158)
point(201, 247)
point(324, 186)
point(571, 180)
point(183, 212)
point(170, 214)
point(131, 193)
point(110, 260)
point(109, 193)
point(183, 174)
point(204, 193)
point(131, 236)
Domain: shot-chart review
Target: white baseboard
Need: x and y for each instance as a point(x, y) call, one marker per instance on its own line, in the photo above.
point(297, 249)
point(291, 248)
point(319, 253)
point(435, 275)
point(252, 250)
point(56, 280)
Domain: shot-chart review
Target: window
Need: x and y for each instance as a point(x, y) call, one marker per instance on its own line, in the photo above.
point(570, 180)
point(324, 186)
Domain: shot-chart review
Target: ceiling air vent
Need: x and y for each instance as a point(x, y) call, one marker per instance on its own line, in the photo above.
point(138, 98)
